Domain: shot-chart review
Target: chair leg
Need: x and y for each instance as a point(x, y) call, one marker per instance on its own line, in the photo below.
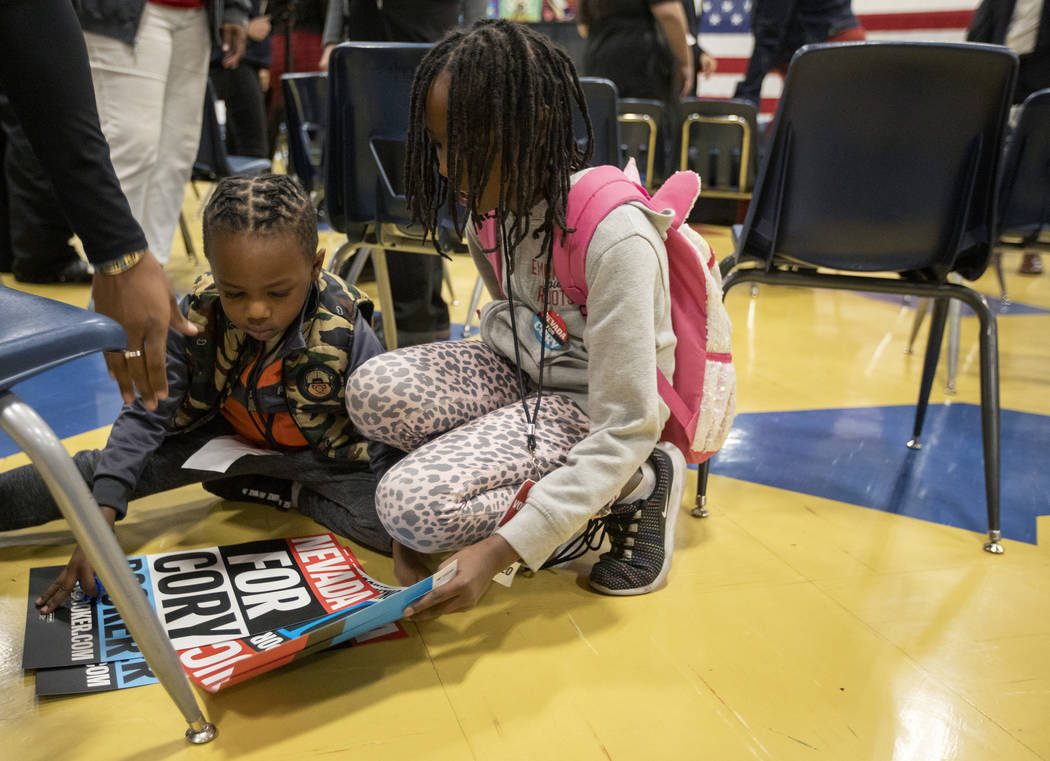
point(100, 545)
point(446, 274)
point(920, 314)
point(997, 259)
point(933, 352)
point(989, 343)
point(475, 297)
point(187, 239)
point(386, 299)
point(954, 326)
point(357, 265)
point(699, 507)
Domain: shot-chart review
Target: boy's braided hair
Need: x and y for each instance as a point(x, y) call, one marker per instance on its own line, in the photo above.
point(511, 99)
point(262, 205)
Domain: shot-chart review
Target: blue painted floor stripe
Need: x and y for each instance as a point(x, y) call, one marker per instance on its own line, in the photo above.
point(859, 456)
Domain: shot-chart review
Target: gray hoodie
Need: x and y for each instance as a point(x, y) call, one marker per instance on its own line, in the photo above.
point(607, 365)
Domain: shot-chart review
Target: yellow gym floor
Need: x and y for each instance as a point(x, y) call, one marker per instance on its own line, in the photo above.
point(793, 626)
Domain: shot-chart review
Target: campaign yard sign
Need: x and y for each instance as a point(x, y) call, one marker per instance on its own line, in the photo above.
point(212, 602)
point(203, 596)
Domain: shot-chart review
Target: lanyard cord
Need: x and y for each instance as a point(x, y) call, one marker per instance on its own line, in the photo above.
point(530, 420)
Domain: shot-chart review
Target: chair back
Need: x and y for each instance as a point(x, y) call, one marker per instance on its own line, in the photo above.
point(306, 116)
point(211, 163)
point(369, 95)
point(1024, 190)
point(883, 157)
point(640, 135)
point(719, 141)
point(601, 96)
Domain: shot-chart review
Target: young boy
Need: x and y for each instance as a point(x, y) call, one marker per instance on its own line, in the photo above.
point(277, 339)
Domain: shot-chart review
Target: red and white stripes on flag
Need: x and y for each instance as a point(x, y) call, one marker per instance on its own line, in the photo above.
point(725, 33)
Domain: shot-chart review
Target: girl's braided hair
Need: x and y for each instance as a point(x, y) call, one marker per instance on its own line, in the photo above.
point(264, 205)
point(511, 99)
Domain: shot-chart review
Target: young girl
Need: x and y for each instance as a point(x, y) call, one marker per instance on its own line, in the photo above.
point(550, 394)
point(276, 341)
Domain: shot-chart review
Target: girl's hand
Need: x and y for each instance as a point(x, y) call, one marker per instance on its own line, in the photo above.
point(409, 565)
point(77, 570)
point(478, 563)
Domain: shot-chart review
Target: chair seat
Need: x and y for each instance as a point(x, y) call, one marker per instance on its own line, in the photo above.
point(248, 165)
point(38, 334)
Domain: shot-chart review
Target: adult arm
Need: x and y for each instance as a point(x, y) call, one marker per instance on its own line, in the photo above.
point(670, 15)
point(63, 129)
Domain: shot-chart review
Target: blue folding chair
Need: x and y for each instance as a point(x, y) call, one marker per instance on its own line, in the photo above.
point(640, 135)
point(39, 334)
point(884, 158)
point(306, 118)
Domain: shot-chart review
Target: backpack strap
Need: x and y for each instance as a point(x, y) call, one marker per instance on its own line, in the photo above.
point(596, 194)
point(488, 235)
point(593, 196)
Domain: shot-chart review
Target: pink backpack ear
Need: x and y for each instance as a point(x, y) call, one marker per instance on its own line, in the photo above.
point(631, 171)
point(679, 192)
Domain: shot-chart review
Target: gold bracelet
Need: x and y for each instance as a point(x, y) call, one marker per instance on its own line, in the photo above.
point(121, 264)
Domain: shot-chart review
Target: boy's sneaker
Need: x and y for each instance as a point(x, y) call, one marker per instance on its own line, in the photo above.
point(263, 490)
point(642, 533)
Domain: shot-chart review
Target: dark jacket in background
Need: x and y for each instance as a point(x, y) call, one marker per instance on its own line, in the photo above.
point(991, 23)
point(120, 18)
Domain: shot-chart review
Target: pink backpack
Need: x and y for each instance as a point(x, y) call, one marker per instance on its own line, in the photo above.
point(702, 394)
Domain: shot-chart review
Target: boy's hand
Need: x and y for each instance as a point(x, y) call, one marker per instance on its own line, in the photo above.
point(78, 570)
point(478, 563)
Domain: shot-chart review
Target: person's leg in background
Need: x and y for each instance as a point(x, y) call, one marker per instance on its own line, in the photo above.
point(34, 233)
point(245, 113)
point(415, 284)
point(180, 134)
point(150, 98)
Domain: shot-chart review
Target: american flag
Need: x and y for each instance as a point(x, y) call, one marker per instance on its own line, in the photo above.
point(725, 33)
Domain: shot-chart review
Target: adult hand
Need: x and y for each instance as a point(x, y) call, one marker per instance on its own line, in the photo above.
point(264, 79)
point(77, 570)
point(325, 55)
point(708, 65)
point(686, 77)
point(259, 28)
point(233, 41)
point(478, 563)
point(143, 302)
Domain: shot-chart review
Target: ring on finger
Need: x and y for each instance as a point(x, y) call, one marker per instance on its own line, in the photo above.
point(132, 354)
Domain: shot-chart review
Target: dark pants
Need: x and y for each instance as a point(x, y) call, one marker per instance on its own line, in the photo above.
point(339, 496)
point(245, 112)
point(415, 284)
point(33, 229)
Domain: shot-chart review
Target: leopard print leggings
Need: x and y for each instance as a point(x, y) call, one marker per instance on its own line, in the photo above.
point(454, 407)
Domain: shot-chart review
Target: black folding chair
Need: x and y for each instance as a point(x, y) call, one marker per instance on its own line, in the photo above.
point(601, 98)
point(884, 158)
point(369, 95)
point(1024, 194)
point(306, 116)
point(640, 137)
point(720, 141)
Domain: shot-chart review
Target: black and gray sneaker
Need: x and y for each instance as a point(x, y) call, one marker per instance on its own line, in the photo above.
point(642, 533)
point(264, 490)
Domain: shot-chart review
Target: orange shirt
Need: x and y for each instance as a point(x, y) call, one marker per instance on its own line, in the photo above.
point(270, 429)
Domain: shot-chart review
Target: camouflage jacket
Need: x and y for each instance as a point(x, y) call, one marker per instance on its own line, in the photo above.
point(314, 377)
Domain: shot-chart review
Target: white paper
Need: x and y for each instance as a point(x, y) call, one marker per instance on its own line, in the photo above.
point(219, 454)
